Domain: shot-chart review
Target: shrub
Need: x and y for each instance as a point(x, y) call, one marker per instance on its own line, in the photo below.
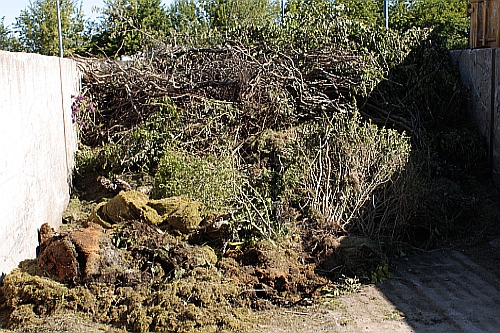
point(209, 179)
point(344, 162)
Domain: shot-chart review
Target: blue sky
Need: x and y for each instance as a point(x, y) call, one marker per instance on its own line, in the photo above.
point(10, 9)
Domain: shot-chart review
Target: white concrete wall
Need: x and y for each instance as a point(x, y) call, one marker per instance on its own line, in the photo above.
point(37, 143)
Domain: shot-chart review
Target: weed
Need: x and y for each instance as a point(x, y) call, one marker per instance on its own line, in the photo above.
point(381, 273)
point(394, 315)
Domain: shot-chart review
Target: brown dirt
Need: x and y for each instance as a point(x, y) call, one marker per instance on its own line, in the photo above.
point(139, 278)
point(446, 290)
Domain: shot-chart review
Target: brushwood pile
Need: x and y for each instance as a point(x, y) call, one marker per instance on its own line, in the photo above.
point(218, 179)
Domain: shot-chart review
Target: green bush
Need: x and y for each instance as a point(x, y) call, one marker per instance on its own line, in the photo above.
point(210, 179)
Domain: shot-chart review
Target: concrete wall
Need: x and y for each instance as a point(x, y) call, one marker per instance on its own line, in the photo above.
point(480, 72)
point(37, 143)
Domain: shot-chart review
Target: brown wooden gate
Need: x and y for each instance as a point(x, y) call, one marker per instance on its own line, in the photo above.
point(484, 23)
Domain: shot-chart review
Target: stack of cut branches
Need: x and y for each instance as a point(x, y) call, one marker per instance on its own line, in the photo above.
point(272, 86)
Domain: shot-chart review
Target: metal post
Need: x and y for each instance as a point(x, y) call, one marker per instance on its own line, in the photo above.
point(386, 13)
point(282, 11)
point(59, 29)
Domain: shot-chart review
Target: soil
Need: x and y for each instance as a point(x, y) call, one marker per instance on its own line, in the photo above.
point(139, 278)
point(446, 290)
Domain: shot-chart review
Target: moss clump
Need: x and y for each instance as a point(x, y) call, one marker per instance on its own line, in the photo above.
point(30, 299)
point(97, 216)
point(181, 290)
point(130, 205)
point(179, 212)
point(201, 302)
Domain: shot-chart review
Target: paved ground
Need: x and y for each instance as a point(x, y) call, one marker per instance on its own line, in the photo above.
point(450, 290)
point(446, 291)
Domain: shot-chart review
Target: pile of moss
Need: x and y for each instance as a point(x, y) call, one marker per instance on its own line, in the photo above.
point(138, 277)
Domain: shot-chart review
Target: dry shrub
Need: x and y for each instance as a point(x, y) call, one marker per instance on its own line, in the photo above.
point(347, 162)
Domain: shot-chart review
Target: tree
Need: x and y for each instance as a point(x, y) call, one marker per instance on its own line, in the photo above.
point(367, 11)
point(5, 40)
point(448, 18)
point(36, 27)
point(130, 26)
point(185, 15)
point(240, 13)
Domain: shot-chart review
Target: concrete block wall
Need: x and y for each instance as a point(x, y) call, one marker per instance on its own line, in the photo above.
point(480, 73)
point(37, 144)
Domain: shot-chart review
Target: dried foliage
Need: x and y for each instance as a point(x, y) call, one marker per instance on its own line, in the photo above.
point(269, 87)
point(350, 162)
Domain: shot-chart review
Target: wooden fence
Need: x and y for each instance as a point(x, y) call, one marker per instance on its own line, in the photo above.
point(484, 23)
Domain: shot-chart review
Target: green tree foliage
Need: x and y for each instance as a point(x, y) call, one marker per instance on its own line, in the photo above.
point(211, 22)
point(367, 11)
point(130, 26)
point(302, 12)
point(4, 36)
point(238, 13)
point(185, 15)
point(8, 41)
point(36, 27)
point(448, 18)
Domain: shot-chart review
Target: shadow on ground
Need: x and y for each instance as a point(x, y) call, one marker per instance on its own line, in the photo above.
point(450, 290)
point(441, 291)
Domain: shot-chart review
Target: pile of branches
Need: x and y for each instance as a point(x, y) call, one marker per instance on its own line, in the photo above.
point(285, 118)
point(273, 87)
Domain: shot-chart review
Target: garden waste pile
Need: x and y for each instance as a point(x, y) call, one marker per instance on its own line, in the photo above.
point(250, 170)
point(133, 266)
